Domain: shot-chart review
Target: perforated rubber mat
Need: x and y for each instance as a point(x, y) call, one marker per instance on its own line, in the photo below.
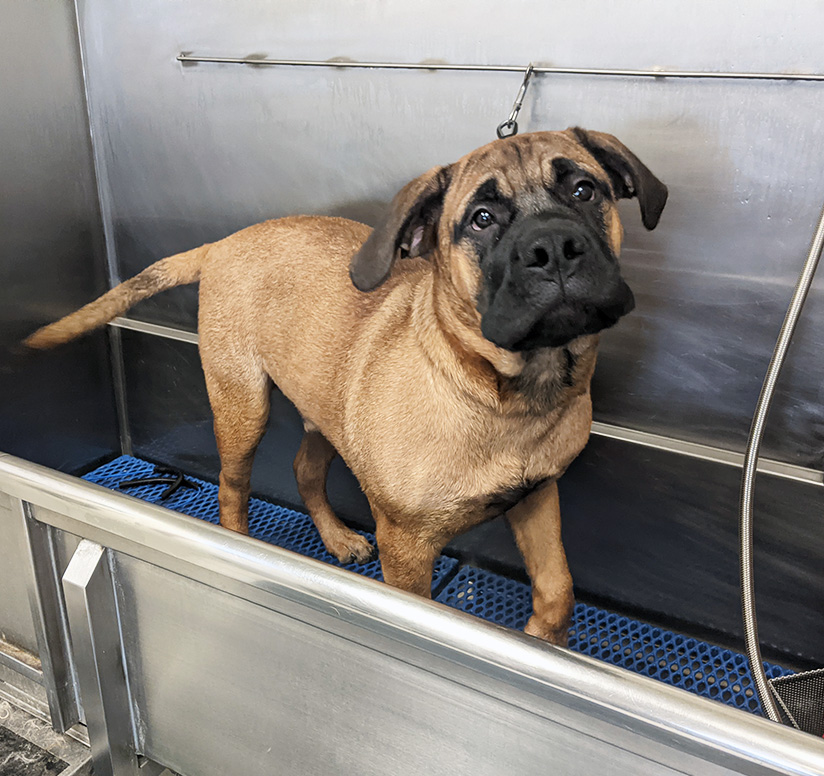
point(267, 522)
point(693, 665)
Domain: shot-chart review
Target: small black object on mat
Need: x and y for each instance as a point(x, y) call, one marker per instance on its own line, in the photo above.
point(162, 475)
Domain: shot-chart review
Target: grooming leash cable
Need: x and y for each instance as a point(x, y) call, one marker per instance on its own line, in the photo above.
point(509, 127)
point(750, 464)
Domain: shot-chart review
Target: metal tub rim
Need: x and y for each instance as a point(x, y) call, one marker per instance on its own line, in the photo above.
point(265, 574)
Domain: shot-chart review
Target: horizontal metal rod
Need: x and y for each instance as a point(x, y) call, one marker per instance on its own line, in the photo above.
point(645, 439)
point(167, 332)
point(432, 66)
point(19, 661)
point(788, 471)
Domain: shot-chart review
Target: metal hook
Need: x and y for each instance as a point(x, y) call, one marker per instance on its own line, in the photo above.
point(509, 127)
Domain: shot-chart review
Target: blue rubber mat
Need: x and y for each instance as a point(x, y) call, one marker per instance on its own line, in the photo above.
point(688, 663)
point(693, 665)
point(268, 522)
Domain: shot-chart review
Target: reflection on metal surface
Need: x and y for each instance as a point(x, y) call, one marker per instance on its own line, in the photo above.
point(56, 409)
point(538, 69)
point(341, 621)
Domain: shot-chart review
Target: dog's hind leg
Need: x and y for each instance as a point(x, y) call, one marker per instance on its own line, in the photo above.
point(240, 405)
point(311, 468)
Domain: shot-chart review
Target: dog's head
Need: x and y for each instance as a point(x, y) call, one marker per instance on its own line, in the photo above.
point(527, 229)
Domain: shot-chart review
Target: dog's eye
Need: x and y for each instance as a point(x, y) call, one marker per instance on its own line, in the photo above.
point(583, 191)
point(482, 219)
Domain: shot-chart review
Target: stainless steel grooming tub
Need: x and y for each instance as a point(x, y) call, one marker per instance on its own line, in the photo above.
point(212, 654)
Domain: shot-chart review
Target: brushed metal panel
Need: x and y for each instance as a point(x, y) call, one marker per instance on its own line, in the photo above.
point(16, 624)
point(31, 609)
point(55, 408)
point(92, 613)
point(325, 704)
point(194, 152)
point(48, 608)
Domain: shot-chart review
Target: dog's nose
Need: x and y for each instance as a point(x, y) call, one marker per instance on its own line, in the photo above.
point(558, 245)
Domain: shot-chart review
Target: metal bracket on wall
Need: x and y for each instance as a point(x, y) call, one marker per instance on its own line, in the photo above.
point(95, 629)
point(188, 57)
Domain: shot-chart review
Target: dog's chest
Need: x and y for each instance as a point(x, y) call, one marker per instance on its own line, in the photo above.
point(432, 452)
point(465, 468)
point(498, 502)
point(525, 456)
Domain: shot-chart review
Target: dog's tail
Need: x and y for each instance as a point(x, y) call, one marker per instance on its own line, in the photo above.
point(173, 271)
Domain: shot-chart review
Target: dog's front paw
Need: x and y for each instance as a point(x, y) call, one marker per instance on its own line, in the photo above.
point(558, 635)
point(351, 547)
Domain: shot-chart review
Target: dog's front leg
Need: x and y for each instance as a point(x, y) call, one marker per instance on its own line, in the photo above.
point(536, 523)
point(407, 552)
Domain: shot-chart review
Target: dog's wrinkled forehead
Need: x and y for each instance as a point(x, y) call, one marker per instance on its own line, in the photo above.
point(524, 168)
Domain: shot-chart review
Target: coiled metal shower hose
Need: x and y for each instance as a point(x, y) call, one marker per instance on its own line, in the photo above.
point(750, 464)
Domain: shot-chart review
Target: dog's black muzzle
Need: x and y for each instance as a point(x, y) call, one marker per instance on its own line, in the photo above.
point(549, 280)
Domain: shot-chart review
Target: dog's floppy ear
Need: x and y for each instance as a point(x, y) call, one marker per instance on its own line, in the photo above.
point(409, 229)
point(629, 175)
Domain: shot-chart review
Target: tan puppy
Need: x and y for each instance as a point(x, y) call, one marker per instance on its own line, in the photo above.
point(457, 388)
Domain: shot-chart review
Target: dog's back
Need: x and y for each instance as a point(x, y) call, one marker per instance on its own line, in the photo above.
point(276, 297)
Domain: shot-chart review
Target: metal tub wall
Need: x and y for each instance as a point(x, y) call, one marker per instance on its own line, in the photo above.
point(190, 153)
point(211, 653)
point(58, 409)
point(194, 152)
